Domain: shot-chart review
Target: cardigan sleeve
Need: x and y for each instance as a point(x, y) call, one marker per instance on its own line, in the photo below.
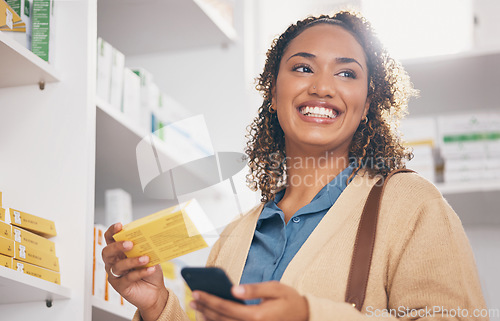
point(431, 274)
point(172, 312)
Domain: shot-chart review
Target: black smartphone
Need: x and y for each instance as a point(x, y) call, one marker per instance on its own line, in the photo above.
point(212, 280)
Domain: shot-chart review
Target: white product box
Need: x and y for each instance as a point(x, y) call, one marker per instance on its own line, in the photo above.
point(131, 105)
point(464, 135)
point(149, 93)
point(118, 205)
point(104, 63)
point(116, 88)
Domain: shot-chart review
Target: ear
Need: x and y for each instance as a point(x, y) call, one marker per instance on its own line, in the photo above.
point(367, 107)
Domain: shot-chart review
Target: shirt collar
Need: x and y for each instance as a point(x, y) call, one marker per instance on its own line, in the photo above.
point(325, 198)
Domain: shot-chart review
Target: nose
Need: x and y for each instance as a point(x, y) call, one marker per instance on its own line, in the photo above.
point(322, 85)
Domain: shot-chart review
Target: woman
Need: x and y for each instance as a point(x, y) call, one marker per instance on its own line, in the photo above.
point(323, 136)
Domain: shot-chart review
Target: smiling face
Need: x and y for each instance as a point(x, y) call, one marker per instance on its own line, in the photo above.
point(321, 91)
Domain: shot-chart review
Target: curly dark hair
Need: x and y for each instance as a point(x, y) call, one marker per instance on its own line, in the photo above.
point(376, 145)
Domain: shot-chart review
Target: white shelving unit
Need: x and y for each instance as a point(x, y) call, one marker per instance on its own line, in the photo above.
point(22, 67)
point(161, 25)
point(26, 288)
point(47, 138)
point(116, 136)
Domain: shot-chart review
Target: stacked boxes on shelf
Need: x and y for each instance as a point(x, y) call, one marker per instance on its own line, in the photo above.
point(24, 242)
point(134, 92)
point(470, 146)
point(31, 23)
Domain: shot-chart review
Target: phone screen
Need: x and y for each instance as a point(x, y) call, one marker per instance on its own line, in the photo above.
point(211, 280)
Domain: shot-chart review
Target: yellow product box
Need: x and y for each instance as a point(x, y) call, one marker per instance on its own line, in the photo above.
point(2, 214)
point(33, 223)
point(30, 255)
point(6, 261)
point(39, 272)
point(33, 240)
point(170, 233)
point(5, 230)
point(6, 246)
point(8, 17)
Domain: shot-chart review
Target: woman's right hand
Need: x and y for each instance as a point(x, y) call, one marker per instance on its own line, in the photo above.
point(143, 287)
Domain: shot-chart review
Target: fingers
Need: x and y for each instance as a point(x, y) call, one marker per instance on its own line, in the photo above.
point(139, 274)
point(264, 290)
point(215, 308)
point(125, 266)
point(112, 230)
point(114, 252)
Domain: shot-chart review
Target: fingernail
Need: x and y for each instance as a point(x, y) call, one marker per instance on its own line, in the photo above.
point(143, 259)
point(196, 295)
point(151, 269)
point(127, 245)
point(192, 305)
point(118, 226)
point(239, 290)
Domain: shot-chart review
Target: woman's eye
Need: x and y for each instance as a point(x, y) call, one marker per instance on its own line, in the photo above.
point(348, 74)
point(302, 68)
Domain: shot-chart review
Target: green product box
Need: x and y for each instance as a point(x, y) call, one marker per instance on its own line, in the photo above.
point(41, 35)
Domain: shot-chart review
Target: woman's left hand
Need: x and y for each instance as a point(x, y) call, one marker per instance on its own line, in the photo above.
point(279, 302)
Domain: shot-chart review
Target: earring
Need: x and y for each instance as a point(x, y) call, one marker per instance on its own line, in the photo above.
point(271, 109)
point(365, 121)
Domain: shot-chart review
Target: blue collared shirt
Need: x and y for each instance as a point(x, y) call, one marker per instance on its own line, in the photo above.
point(275, 242)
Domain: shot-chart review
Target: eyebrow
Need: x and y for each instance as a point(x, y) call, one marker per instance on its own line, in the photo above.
point(342, 60)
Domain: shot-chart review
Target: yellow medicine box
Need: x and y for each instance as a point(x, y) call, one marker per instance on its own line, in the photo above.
point(39, 272)
point(30, 255)
point(6, 261)
point(32, 240)
point(6, 246)
point(5, 230)
point(33, 223)
point(170, 233)
point(2, 214)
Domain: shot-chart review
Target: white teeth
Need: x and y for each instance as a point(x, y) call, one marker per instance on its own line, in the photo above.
point(318, 112)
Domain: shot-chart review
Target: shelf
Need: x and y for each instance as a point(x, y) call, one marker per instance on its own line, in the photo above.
point(473, 53)
point(144, 27)
point(19, 287)
point(475, 202)
point(21, 65)
point(469, 187)
point(116, 161)
point(103, 310)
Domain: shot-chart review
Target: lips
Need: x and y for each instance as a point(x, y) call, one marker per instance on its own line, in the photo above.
point(318, 109)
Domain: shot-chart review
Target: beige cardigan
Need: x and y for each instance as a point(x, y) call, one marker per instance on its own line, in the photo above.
point(422, 260)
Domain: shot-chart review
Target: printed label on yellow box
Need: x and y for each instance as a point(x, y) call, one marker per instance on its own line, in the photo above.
point(170, 233)
point(33, 240)
point(39, 272)
point(5, 230)
point(6, 261)
point(6, 246)
point(33, 223)
point(27, 254)
point(2, 214)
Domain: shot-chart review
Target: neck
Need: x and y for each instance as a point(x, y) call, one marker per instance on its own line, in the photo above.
point(308, 174)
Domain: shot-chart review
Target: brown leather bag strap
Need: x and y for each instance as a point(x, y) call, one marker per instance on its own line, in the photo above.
point(365, 241)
